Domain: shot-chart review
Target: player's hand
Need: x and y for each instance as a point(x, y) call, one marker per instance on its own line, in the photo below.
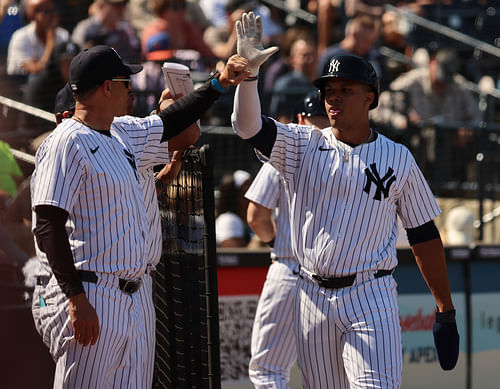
point(249, 43)
point(235, 71)
point(446, 339)
point(84, 320)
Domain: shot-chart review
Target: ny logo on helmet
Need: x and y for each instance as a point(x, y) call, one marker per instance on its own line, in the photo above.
point(334, 66)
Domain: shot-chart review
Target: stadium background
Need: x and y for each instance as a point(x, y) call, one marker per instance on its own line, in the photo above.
point(473, 270)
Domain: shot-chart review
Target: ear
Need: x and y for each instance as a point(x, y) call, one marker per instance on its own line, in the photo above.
point(370, 97)
point(106, 88)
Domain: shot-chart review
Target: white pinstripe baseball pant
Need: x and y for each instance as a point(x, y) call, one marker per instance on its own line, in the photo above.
point(121, 354)
point(349, 337)
point(273, 342)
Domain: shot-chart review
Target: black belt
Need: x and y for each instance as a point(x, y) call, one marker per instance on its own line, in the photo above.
point(126, 286)
point(343, 282)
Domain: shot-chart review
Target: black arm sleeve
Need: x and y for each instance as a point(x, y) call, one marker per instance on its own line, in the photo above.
point(265, 138)
point(52, 239)
point(187, 110)
point(423, 233)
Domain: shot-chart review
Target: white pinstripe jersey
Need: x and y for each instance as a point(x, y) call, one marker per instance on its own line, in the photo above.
point(344, 213)
point(268, 189)
point(95, 178)
point(147, 182)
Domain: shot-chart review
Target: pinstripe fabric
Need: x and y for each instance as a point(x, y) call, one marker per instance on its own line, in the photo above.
point(112, 207)
point(273, 346)
point(333, 216)
point(344, 204)
point(350, 337)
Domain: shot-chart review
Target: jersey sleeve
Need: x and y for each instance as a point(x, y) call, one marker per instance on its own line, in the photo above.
point(417, 204)
point(59, 172)
point(265, 188)
point(289, 148)
point(144, 135)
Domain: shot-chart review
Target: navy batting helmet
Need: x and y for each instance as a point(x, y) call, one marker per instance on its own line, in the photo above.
point(311, 105)
point(350, 67)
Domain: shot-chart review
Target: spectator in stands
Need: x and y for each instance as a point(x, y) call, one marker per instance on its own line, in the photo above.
point(279, 64)
point(361, 34)
point(140, 14)
point(429, 96)
point(107, 25)
point(426, 95)
point(72, 12)
point(292, 86)
point(42, 88)
point(10, 21)
point(231, 230)
point(31, 46)
point(149, 83)
point(171, 19)
point(222, 40)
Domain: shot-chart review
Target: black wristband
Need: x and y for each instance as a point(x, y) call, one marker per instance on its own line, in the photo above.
point(270, 243)
point(446, 317)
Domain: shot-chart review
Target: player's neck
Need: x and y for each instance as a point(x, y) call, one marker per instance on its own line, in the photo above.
point(94, 120)
point(354, 138)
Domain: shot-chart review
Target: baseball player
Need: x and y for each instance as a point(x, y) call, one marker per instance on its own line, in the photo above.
point(151, 184)
point(273, 342)
point(90, 221)
point(347, 184)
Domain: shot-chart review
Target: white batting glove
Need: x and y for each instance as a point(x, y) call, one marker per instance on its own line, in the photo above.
point(249, 42)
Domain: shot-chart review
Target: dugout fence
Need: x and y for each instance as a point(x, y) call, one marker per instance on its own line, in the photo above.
point(186, 299)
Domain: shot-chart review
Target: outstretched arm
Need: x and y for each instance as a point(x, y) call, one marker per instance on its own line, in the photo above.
point(246, 117)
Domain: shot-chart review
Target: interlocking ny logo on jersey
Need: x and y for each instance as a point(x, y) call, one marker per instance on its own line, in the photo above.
point(374, 176)
point(334, 66)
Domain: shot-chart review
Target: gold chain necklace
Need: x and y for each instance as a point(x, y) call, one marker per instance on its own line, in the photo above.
point(346, 152)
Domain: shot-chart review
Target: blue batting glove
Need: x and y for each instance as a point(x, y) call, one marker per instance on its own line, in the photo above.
point(446, 339)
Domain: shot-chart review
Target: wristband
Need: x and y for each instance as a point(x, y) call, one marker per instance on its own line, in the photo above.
point(214, 80)
point(216, 84)
point(270, 243)
point(445, 317)
point(254, 78)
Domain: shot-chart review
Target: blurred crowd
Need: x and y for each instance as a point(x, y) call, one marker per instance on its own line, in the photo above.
point(426, 78)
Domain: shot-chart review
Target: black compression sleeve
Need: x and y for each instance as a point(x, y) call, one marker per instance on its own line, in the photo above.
point(187, 110)
point(265, 138)
point(423, 233)
point(52, 239)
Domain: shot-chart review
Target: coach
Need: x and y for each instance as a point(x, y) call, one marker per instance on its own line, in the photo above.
point(347, 185)
point(90, 221)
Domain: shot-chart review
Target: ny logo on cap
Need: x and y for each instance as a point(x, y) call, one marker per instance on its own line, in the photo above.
point(334, 66)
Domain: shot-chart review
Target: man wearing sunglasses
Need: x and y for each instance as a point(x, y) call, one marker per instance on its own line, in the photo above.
point(108, 25)
point(90, 222)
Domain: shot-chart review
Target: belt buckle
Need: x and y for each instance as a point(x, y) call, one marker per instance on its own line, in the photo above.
point(131, 286)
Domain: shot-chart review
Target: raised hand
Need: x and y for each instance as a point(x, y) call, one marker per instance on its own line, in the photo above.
point(249, 42)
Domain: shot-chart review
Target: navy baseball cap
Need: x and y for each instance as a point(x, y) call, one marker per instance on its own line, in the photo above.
point(65, 101)
point(91, 67)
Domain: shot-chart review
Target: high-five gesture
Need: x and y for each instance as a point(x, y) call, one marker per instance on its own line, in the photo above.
point(249, 43)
